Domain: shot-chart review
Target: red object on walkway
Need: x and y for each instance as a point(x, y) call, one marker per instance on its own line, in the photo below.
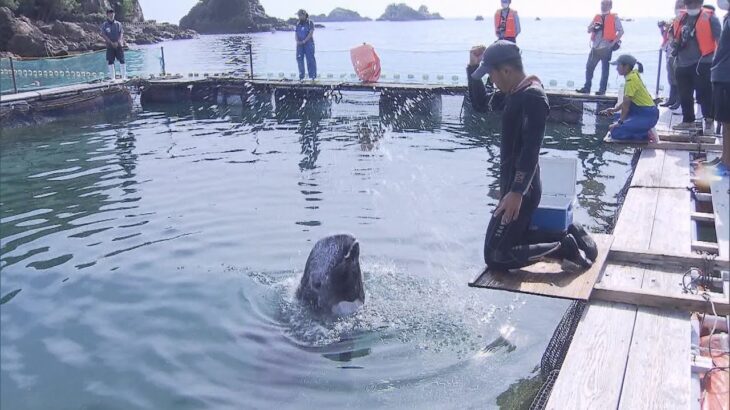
point(366, 63)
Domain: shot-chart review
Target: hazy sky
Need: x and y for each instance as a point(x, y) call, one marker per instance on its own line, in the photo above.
point(173, 10)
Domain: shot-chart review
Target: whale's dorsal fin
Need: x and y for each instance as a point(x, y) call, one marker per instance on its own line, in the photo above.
point(354, 252)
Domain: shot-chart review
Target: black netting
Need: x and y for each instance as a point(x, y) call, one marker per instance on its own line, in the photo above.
point(543, 396)
point(557, 349)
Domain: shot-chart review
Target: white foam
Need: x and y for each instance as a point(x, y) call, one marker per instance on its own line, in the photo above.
point(346, 308)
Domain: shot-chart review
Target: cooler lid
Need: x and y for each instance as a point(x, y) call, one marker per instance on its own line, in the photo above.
point(559, 176)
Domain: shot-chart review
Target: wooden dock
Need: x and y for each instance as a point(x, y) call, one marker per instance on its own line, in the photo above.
point(42, 106)
point(632, 347)
point(57, 92)
point(442, 88)
point(422, 99)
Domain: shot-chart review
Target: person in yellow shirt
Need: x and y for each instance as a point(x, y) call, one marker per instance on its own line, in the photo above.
point(637, 114)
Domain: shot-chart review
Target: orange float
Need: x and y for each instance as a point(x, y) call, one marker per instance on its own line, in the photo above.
point(366, 63)
point(716, 395)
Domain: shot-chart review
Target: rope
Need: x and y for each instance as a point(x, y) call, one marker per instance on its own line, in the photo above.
point(394, 50)
point(54, 58)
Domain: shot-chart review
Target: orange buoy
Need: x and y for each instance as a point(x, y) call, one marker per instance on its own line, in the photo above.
point(716, 383)
point(366, 63)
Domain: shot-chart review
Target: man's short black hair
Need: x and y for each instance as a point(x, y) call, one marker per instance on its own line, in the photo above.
point(110, 11)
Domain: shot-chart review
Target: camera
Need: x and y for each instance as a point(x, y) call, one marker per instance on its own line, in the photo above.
point(676, 46)
point(597, 27)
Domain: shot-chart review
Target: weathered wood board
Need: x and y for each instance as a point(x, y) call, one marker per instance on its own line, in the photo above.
point(657, 371)
point(636, 220)
point(661, 300)
point(547, 278)
point(56, 92)
point(662, 169)
point(685, 146)
point(593, 372)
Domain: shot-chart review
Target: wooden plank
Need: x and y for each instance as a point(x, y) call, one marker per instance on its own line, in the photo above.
point(721, 204)
point(652, 258)
point(688, 138)
point(636, 221)
point(658, 372)
point(708, 247)
point(684, 146)
point(51, 93)
point(702, 217)
point(672, 229)
point(648, 171)
point(662, 169)
point(547, 278)
point(56, 92)
point(593, 371)
point(675, 173)
point(660, 299)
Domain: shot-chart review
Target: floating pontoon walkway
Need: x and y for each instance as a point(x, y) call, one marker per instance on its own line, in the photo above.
point(57, 92)
point(636, 354)
point(632, 346)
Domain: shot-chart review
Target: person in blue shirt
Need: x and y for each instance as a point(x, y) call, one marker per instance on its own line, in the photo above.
point(113, 34)
point(305, 45)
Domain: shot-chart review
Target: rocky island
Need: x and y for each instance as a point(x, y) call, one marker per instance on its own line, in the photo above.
point(339, 15)
point(230, 17)
point(63, 27)
point(403, 12)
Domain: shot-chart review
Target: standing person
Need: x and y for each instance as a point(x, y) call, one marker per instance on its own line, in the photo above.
point(696, 32)
point(667, 30)
point(507, 244)
point(667, 40)
point(606, 31)
point(113, 34)
point(507, 23)
point(638, 114)
point(305, 45)
point(720, 75)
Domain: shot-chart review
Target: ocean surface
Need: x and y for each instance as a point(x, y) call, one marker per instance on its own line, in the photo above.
point(149, 260)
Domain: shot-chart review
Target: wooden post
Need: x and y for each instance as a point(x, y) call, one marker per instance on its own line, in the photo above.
point(162, 50)
point(12, 70)
point(250, 60)
point(659, 72)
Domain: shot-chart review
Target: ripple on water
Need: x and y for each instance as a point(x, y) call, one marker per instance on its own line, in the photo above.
point(115, 247)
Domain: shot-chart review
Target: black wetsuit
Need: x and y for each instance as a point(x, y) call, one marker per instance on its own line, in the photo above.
point(513, 246)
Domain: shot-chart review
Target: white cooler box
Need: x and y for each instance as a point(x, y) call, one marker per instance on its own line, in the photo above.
point(559, 178)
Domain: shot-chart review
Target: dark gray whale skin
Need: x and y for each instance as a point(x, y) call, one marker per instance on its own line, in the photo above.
point(332, 276)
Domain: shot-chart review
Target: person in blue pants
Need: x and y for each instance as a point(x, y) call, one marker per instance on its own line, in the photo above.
point(305, 45)
point(638, 114)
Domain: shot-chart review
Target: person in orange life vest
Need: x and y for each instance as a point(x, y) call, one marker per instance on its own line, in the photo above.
point(606, 32)
point(507, 23)
point(696, 32)
point(720, 75)
point(667, 29)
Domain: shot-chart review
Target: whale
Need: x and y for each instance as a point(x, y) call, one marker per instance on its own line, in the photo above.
point(332, 281)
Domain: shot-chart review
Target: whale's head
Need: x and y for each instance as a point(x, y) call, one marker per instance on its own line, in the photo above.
point(332, 280)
